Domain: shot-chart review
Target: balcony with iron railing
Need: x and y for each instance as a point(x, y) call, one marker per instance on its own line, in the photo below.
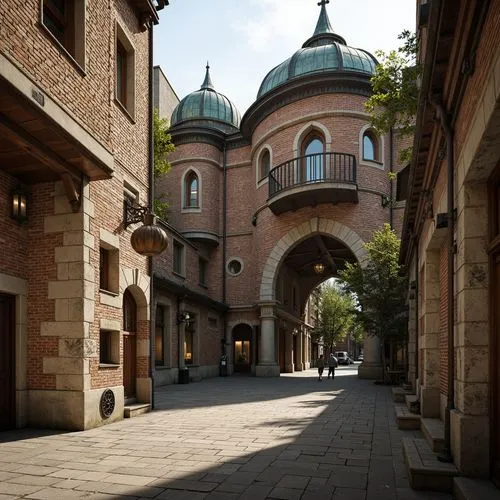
point(313, 179)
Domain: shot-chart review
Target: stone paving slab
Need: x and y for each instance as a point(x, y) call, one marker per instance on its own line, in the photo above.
point(226, 438)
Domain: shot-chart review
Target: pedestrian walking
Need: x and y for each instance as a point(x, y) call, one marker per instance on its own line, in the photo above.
point(332, 364)
point(320, 364)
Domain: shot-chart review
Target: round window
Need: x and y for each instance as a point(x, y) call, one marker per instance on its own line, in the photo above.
point(234, 267)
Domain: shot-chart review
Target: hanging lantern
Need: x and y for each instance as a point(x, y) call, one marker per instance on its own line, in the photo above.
point(149, 239)
point(319, 268)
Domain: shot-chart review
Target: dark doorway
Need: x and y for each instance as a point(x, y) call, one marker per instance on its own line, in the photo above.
point(129, 344)
point(7, 362)
point(494, 237)
point(282, 346)
point(242, 348)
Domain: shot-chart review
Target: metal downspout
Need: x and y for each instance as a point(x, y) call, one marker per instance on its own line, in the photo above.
point(224, 247)
point(151, 207)
point(446, 455)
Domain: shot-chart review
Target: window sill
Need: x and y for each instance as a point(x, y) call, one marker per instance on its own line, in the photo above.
point(125, 111)
point(203, 285)
point(161, 368)
point(108, 292)
point(262, 181)
point(370, 163)
point(62, 48)
point(175, 273)
point(109, 365)
point(191, 210)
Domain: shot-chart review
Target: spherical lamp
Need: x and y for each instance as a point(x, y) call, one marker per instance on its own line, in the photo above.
point(149, 239)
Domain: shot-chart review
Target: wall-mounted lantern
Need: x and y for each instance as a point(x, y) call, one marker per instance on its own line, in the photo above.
point(183, 317)
point(18, 205)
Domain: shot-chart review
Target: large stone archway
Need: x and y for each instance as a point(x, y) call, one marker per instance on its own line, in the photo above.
point(267, 359)
point(308, 228)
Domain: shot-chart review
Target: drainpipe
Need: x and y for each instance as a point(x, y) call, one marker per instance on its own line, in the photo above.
point(151, 148)
point(446, 455)
point(224, 245)
point(391, 169)
point(417, 323)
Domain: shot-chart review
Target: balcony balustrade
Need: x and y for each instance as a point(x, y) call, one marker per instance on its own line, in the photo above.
point(313, 179)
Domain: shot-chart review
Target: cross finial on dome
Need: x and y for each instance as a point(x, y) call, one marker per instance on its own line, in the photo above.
point(323, 25)
point(207, 82)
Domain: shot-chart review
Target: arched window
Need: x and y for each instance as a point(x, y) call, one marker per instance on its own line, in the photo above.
point(313, 150)
point(370, 149)
point(265, 164)
point(192, 194)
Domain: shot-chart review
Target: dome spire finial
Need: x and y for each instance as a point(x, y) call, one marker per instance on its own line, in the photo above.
point(323, 25)
point(207, 82)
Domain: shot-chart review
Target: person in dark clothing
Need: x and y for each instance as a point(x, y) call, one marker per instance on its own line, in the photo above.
point(332, 364)
point(320, 364)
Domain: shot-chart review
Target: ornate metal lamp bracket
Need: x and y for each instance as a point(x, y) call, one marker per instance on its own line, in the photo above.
point(133, 213)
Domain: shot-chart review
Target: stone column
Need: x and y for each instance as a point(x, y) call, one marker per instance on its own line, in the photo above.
point(430, 399)
point(469, 421)
point(267, 366)
point(371, 368)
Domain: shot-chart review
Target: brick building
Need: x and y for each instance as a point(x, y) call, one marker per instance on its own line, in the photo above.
point(266, 207)
point(450, 241)
point(75, 102)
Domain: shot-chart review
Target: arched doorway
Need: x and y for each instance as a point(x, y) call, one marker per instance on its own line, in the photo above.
point(242, 348)
point(129, 344)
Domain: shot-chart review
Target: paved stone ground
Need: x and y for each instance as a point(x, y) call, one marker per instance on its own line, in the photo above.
point(226, 438)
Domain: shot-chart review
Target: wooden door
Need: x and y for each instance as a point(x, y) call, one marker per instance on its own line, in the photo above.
point(7, 362)
point(495, 379)
point(129, 371)
point(129, 344)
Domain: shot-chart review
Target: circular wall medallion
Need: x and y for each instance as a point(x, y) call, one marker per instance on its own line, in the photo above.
point(107, 403)
point(234, 266)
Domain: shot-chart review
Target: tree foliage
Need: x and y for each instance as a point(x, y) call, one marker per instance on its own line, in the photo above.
point(337, 316)
point(394, 101)
point(379, 287)
point(162, 146)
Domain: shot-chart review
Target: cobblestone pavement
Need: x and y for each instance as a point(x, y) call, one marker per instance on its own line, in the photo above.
point(239, 437)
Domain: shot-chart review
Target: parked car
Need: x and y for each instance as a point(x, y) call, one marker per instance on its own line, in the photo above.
point(343, 358)
point(360, 357)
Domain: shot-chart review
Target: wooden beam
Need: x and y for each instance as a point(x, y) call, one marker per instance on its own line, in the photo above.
point(325, 253)
point(36, 148)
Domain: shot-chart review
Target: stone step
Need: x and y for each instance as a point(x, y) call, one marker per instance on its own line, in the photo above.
point(425, 471)
point(433, 429)
point(134, 410)
point(398, 394)
point(409, 399)
point(465, 488)
point(405, 419)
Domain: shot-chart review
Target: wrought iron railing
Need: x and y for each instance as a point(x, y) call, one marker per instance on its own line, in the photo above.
point(313, 169)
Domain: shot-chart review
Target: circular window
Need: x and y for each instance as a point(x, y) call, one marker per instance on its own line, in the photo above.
point(234, 266)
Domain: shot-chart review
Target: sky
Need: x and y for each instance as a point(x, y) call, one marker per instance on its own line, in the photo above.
point(244, 39)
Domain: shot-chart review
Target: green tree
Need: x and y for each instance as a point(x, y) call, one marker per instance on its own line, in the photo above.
point(380, 288)
point(394, 101)
point(337, 316)
point(162, 146)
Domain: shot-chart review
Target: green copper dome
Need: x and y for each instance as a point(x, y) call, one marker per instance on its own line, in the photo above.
point(206, 104)
point(324, 51)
